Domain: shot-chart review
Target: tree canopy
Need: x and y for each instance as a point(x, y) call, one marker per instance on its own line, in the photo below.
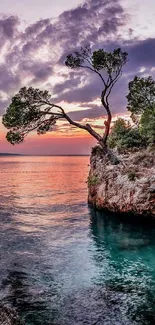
point(108, 66)
point(126, 137)
point(141, 105)
point(33, 109)
point(147, 125)
point(141, 95)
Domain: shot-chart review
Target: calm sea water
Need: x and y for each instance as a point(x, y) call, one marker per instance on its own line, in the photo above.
point(60, 262)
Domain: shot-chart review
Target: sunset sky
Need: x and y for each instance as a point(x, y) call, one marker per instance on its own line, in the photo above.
point(36, 36)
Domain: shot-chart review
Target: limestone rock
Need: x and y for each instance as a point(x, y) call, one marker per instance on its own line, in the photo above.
point(128, 187)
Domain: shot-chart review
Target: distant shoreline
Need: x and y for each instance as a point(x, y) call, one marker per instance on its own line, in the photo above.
point(28, 155)
point(10, 154)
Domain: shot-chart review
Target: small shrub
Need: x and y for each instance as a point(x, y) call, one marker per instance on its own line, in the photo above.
point(97, 151)
point(126, 137)
point(131, 176)
point(93, 180)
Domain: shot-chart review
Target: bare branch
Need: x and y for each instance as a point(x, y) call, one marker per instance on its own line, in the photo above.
point(99, 74)
point(86, 127)
point(111, 87)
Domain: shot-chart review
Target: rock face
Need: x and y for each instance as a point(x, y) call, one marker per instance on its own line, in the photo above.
point(128, 187)
point(9, 317)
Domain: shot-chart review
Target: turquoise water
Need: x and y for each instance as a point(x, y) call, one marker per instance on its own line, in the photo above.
point(61, 262)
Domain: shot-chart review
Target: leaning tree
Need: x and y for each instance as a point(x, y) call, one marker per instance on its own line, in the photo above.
point(33, 109)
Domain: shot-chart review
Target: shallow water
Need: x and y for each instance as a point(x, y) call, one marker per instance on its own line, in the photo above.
point(60, 262)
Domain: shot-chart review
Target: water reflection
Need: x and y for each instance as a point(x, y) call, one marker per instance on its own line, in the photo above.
point(127, 270)
point(61, 263)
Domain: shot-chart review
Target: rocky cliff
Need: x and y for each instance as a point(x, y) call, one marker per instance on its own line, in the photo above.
point(126, 187)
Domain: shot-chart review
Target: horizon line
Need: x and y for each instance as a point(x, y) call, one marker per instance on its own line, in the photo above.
point(41, 155)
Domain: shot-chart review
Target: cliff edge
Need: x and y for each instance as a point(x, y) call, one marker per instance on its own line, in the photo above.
point(128, 187)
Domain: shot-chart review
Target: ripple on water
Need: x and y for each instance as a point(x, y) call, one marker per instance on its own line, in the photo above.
point(63, 264)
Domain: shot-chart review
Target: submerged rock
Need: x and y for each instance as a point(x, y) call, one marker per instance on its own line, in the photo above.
point(128, 187)
point(9, 317)
point(130, 244)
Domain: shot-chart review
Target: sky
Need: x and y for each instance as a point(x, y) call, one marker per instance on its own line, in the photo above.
point(36, 37)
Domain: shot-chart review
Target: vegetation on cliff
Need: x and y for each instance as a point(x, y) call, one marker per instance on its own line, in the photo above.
point(128, 187)
point(141, 105)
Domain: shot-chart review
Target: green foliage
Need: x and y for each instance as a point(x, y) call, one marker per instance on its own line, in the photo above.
point(93, 180)
point(14, 137)
point(118, 131)
point(30, 108)
point(110, 62)
point(141, 94)
point(124, 136)
point(141, 104)
point(108, 66)
point(25, 107)
point(26, 113)
point(147, 125)
point(76, 59)
point(97, 151)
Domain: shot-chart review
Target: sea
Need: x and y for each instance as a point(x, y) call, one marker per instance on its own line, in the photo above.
point(62, 262)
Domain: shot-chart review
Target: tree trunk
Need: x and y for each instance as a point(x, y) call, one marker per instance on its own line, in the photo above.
point(107, 126)
point(108, 122)
point(110, 154)
point(101, 140)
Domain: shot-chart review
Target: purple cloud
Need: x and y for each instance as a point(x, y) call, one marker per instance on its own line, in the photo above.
point(39, 52)
point(39, 70)
point(8, 26)
point(8, 80)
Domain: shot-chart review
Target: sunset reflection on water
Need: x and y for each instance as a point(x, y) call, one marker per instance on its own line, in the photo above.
point(62, 262)
point(34, 187)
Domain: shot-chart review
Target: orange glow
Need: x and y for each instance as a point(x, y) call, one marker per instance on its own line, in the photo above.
point(26, 187)
point(65, 139)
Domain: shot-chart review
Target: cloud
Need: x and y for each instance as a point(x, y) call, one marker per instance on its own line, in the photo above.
point(71, 83)
point(118, 105)
point(77, 92)
point(142, 53)
point(35, 57)
point(37, 27)
point(8, 29)
point(8, 26)
point(91, 113)
point(90, 21)
point(39, 70)
point(8, 80)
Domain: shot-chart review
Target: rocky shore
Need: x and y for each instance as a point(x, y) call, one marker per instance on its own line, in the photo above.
point(126, 187)
point(9, 317)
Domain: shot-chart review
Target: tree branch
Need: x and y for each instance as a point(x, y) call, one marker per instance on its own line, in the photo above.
point(99, 74)
point(110, 89)
point(86, 127)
